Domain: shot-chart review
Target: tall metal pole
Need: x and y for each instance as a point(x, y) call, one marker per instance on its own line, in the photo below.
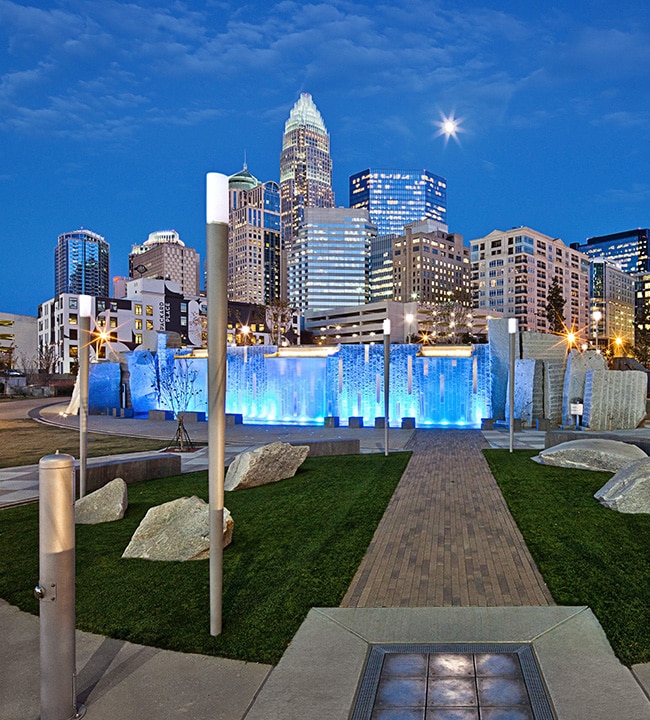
point(56, 588)
point(84, 306)
point(386, 380)
point(512, 333)
point(217, 295)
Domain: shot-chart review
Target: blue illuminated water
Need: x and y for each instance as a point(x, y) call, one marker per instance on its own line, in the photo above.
point(436, 391)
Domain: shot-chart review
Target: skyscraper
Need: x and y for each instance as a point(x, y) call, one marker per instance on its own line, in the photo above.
point(81, 264)
point(397, 197)
point(305, 168)
point(629, 249)
point(164, 255)
point(328, 266)
point(253, 239)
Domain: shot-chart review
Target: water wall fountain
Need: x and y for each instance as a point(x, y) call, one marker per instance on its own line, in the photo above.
point(265, 386)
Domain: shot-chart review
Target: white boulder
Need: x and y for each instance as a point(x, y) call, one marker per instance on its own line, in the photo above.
point(266, 464)
point(107, 504)
point(591, 454)
point(176, 530)
point(628, 491)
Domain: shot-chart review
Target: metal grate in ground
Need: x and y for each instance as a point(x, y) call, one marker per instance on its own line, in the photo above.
point(451, 682)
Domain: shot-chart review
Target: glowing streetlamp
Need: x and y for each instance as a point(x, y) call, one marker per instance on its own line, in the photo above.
point(217, 292)
point(409, 317)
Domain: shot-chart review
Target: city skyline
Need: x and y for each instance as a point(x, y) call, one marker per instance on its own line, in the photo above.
point(113, 113)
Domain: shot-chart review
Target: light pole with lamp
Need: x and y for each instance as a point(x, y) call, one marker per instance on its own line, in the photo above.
point(386, 329)
point(217, 294)
point(85, 310)
point(512, 334)
point(409, 317)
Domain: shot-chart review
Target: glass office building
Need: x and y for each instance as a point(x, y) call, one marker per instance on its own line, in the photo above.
point(81, 261)
point(629, 249)
point(396, 197)
point(328, 265)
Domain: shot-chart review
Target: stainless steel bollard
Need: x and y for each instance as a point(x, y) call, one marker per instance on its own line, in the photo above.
point(56, 588)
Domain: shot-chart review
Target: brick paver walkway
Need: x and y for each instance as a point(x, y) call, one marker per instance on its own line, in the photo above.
point(447, 537)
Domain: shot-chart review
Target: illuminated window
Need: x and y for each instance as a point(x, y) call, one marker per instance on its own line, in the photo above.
point(138, 324)
point(73, 318)
point(138, 309)
point(138, 338)
point(149, 324)
point(74, 351)
point(149, 310)
point(113, 322)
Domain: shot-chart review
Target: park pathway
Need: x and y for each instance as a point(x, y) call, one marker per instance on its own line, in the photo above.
point(447, 537)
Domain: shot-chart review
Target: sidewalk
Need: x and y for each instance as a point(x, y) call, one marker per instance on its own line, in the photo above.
point(446, 564)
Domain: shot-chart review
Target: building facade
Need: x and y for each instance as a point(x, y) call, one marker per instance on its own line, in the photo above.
point(305, 168)
point(254, 241)
point(18, 341)
point(431, 266)
point(328, 265)
point(81, 264)
point(629, 249)
point(395, 198)
point(512, 272)
point(612, 294)
point(164, 256)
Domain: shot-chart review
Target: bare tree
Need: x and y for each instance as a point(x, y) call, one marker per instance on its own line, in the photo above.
point(446, 323)
point(278, 319)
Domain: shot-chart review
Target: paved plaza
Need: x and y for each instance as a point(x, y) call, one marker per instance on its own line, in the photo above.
point(447, 564)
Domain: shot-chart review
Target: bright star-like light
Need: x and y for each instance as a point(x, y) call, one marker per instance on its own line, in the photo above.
point(449, 126)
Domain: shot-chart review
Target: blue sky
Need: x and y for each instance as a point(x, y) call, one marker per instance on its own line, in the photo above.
point(112, 112)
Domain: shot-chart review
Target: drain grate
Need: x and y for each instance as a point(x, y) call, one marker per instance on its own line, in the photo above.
point(452, 682)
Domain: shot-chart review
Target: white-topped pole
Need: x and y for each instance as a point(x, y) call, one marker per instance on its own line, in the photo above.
point(84, 306)
point(217, 295)
point(386, 328)
point(512, 333)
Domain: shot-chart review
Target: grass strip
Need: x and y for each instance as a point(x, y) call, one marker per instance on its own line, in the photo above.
point(25, 442)
point(587, 554)
point(296, 545)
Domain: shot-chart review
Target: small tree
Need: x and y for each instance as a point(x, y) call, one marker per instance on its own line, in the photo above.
point(278, 319)
point(555, 307)
point(175, 384)
point(448, 323)
point(641, 348)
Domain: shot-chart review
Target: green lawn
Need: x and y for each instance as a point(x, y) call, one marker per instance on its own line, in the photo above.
point(25, 442)
point(588, 555)
point(296, 545)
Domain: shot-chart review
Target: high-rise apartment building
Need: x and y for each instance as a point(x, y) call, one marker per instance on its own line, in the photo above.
point(305, 168)
point(328, 265)
point(395, 198)
point(165, 256)
point(430, 266)
point(512, 272)
point(253, 240)
point(81, 264)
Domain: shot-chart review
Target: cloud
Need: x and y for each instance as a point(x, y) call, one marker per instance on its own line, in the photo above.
point(637, 194)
